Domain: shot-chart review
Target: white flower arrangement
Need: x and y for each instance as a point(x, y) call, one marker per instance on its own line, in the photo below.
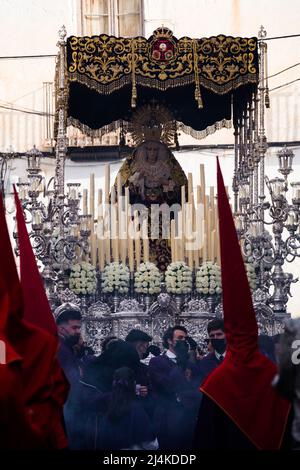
point(208, 279)
point(147, 279)
point(251, 274)
point(178, 278)
point(83, 279)
point(115, 278)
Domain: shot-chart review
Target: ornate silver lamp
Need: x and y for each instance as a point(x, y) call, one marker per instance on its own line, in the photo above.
point(59, 235)
point(270, 252)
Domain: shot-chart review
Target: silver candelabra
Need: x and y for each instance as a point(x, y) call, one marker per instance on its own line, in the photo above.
point(58, 233)
point(270, 249)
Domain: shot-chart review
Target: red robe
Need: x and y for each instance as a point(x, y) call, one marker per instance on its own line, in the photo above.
point(43, 388)
point(15, 427)
point(241, 385)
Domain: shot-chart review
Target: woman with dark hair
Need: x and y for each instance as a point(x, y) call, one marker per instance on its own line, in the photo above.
point(118, 354)
point(125, 425)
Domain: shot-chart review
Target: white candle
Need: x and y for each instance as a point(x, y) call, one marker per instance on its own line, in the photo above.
point(37, 218)
point(21, 193)
point(238, 223)
point(202, 180)
point(92, 195)
point(107, 246)
point(84, 201)
point(84, 225)
point(119, 185)
point(106, 182)
point(93, 249)
point(101, 253)
point(254, 230)
point(73, 231)
point(190, 254)
point(72, 194)
point(138, 250)
point(146, 249)
point(212, 245)
point(130, 254)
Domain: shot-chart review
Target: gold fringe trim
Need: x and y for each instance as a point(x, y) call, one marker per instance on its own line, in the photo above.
point(107, 89)
point(96, 133)
point(115, 126)
point(225, 123)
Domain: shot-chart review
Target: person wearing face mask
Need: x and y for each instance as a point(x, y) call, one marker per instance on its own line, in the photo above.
point(217, 347)
point(140, 341)
point(74, 357)
point(68, 320)
point(177, 398)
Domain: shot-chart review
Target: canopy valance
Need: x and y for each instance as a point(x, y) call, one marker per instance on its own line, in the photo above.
point(204, 82)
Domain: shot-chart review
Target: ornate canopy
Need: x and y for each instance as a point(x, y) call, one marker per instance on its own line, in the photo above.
point(205, 83)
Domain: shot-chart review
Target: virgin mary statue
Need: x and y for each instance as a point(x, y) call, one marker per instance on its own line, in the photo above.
point(153, 175)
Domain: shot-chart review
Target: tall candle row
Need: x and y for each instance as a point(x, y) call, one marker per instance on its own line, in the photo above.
point(117, 236)
point(195, 238)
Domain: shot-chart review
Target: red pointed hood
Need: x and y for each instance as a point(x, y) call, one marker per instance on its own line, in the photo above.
point(241, 385)
point(44, 386)
point(240, 321)
point(8, 267)
point(37, 309)
point(7, 352)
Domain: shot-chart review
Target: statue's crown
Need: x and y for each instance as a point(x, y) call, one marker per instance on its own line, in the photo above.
point(162, 32)
point(152, 122)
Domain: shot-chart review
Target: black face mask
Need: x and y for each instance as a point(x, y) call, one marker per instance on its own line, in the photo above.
point(219, 345)
point(145, 355)
point(181, 349)
point(72, 339)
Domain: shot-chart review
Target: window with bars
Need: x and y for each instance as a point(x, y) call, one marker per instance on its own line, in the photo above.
point(113, 17)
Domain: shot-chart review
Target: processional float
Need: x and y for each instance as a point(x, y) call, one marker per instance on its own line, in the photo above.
point(109, 258)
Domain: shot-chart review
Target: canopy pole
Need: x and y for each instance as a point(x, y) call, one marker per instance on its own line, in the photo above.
point(262, 142)
point(61, 138)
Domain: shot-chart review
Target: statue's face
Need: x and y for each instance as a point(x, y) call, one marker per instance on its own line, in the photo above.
point(152, 152)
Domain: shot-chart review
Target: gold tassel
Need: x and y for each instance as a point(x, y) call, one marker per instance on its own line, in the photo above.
point(198, 97)
point(134, 91)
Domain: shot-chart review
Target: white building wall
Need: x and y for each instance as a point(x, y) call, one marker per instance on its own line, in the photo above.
point(28, 27)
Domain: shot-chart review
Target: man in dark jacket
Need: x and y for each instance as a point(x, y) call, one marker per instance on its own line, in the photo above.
point(217, 343)
point(140, 342)
point(177, 399)
point(74, 357)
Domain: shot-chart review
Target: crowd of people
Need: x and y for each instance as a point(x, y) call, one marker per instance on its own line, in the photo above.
point(57, 394)
point(136, 395)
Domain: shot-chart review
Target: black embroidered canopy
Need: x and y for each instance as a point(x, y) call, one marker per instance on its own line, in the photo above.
point(205, 82)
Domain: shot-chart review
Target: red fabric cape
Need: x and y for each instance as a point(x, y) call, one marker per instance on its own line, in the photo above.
point(34, 295)
point(43, 387)
point(15, 428)
point(241, 385)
